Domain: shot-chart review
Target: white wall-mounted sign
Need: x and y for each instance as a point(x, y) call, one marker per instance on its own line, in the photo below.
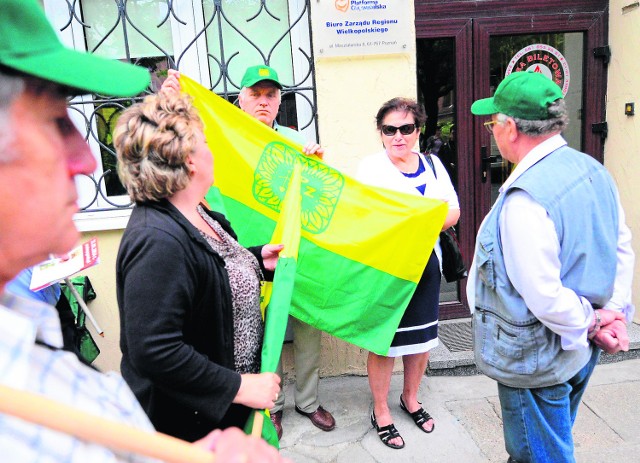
point(544, 59)
point(361, 27)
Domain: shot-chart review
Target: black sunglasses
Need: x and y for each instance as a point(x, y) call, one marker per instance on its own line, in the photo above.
point(390, 130)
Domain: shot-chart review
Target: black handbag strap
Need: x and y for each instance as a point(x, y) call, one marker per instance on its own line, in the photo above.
point(430, 162)
point(427, 156)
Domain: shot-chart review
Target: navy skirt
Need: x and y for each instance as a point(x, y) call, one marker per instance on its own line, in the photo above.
point(418, 329)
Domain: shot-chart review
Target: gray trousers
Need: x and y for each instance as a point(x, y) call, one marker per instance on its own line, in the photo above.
point(306, 357)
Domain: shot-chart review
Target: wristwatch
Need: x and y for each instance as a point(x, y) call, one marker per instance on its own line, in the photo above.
point(596, 326)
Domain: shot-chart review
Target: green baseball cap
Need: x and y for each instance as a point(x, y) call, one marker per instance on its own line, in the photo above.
point(29, 44)
point(525, 95)
point(255, 74)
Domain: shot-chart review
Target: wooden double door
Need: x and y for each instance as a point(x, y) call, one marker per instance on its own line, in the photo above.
point(464, 50)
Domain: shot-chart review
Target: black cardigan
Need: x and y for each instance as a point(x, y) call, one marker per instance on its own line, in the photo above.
point(176, 323)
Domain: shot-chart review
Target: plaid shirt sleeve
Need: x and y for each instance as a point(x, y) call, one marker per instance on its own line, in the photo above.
point(58, 375)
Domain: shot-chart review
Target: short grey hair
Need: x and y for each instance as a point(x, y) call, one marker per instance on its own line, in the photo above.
point(243, 94)
point(11, 87)
point(557, 122)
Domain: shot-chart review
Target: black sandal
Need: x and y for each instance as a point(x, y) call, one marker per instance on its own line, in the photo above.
point(386, 433)
point(419, 417)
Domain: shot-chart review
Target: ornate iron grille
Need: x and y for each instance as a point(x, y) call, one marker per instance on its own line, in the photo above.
point(229, 34)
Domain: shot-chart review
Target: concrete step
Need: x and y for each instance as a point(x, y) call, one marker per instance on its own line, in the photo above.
point(454, 354)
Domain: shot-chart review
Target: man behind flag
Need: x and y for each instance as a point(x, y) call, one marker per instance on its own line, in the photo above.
point(260, 97)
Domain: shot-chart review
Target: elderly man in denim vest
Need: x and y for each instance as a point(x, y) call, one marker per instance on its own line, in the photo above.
point(550, 284)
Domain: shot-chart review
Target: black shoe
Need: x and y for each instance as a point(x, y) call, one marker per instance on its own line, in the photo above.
point(419, 417)
point(386, 433)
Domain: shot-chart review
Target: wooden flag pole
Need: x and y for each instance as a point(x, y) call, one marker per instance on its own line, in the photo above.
point(60, 417)
point(258, 421)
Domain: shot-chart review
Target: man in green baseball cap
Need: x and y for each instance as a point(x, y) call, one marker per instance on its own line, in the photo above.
point(41, 153)
point(550, 283)
point(260, 97)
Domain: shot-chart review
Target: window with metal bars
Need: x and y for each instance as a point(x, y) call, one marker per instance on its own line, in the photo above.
point(211, 41)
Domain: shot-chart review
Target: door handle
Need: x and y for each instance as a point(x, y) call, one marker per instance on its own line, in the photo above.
point(486, 162)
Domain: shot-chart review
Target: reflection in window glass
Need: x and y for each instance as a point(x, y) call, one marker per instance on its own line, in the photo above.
point(436, 91)
point(202, 38)
point(106, 115)
point(142, 36)
point(145, 31)
point(253, 32)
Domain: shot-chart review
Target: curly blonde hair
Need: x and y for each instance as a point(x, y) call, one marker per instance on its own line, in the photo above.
point(153, 140)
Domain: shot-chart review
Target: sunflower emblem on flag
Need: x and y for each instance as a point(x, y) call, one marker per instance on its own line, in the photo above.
point(320, 189)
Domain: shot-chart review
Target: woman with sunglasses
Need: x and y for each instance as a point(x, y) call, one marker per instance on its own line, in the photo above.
point(399, 167)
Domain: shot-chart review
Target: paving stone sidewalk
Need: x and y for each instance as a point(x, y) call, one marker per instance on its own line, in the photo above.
point(468, 423)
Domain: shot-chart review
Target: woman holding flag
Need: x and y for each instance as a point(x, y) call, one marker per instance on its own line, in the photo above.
point(188, 293)
point(398, 167)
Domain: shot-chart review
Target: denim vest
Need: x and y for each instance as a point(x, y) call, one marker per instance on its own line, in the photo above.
point(511, 345)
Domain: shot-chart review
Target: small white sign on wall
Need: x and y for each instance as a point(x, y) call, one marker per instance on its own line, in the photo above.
point(361, 27)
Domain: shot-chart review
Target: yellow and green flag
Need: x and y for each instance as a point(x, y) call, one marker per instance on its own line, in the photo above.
point(362, 249)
